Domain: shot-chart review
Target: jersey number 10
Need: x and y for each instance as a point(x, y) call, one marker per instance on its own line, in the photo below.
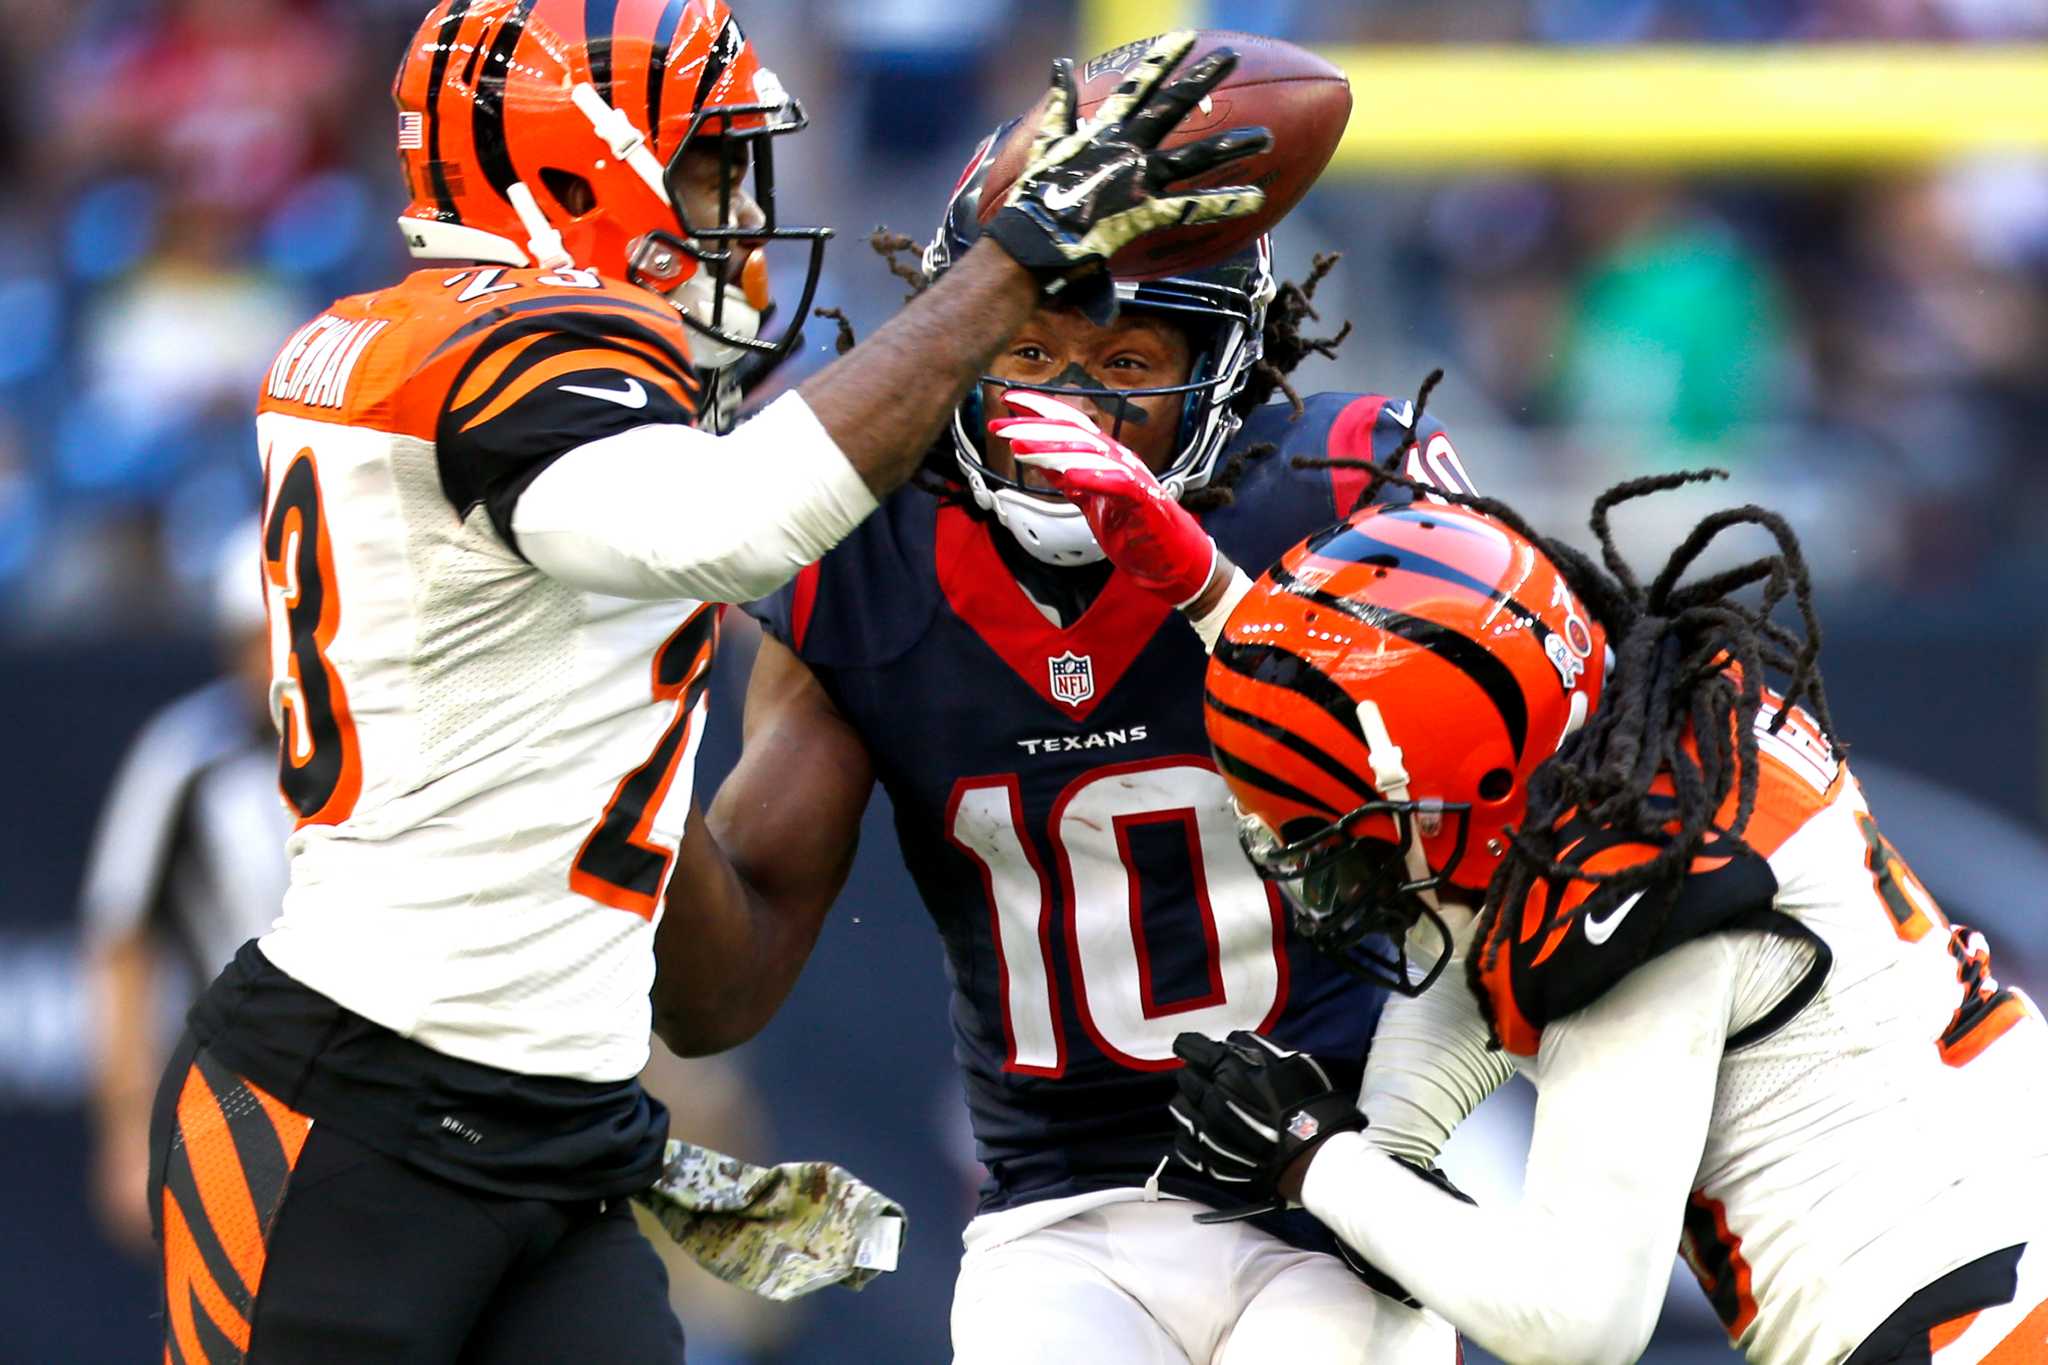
point(1099, 912)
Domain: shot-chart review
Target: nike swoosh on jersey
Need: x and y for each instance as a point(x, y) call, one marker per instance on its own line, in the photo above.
point(1600, 928)
point(634, 395)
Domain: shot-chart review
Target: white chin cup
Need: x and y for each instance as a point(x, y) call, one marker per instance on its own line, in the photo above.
point(1051, 530)
point(696, 297)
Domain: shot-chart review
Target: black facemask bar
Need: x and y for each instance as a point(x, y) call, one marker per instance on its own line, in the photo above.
point(1348, 896)
point(1216, 307)
point(717, 247)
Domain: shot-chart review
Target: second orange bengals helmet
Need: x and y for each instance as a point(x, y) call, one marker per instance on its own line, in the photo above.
point(1378, 704)
point(549, 133)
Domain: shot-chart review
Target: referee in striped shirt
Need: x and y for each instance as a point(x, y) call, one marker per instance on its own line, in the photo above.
point(187, 865)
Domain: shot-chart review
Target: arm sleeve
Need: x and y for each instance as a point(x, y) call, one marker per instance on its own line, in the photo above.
point(1430, 1066)
point(1576, 1273)
point(669, 511)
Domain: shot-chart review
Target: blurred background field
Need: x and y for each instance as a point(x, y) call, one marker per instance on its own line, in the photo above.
point(1802, 240)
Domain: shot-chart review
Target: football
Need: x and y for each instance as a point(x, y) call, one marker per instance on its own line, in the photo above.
point(1297, 96)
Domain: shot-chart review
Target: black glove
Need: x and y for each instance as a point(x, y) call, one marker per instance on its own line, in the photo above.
point(1247, 1108)
point(1087, 191)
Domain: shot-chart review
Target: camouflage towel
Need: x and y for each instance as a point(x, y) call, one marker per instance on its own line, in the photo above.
point(779, 1231)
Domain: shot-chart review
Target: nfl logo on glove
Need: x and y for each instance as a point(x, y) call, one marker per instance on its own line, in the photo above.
point(1073, 677)
point(1303, 1126)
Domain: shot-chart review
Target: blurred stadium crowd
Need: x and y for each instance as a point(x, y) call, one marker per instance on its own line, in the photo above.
point(189, 177)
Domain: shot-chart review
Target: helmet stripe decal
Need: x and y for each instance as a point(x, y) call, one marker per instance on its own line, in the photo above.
point(1354, 543)
point(1358, 546)
point(657, 71)
point(491, 152)
point(1266, 782)
point(598, 19)
point(1277, 667)
point(724, 48)
point(451, 28)
point(1346, 778)
point(1488, 673)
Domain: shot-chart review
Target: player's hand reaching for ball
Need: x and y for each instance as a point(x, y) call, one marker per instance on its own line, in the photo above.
point(1144, 532)
point(1091, 188)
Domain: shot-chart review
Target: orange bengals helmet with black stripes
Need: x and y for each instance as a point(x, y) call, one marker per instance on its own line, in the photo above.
point(552, 132)
point(1378, 704)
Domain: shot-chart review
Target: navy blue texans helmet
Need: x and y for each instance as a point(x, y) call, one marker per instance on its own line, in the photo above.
point(1221, 308)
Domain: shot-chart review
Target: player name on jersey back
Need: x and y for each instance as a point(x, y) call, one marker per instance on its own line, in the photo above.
point(317, 363)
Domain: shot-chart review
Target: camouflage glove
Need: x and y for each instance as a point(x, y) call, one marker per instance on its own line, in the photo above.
point(778, 1231)
point(1089, 190)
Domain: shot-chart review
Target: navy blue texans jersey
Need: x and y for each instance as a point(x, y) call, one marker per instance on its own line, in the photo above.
point(1057, 805)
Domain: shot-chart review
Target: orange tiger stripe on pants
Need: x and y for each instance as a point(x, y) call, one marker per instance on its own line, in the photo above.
point(231, 1157)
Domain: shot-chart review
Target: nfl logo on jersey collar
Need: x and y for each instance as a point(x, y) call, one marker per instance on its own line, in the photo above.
point(1073, 677)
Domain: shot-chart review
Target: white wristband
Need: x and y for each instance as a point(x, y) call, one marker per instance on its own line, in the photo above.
point(1210, 624)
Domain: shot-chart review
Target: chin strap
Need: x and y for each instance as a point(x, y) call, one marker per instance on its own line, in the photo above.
point(627, 142)
point(1390, 778)
point(544, 244)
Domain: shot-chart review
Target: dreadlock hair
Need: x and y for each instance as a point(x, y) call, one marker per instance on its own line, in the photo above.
point(1284, 348)
point(1689, 665)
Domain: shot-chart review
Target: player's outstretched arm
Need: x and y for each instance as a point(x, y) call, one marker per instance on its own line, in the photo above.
point(1576, 1273)
point(741, 514)
point(1088, 191)
point(753, 882)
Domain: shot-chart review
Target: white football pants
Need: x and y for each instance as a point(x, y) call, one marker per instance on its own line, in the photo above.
point(1144, 1284)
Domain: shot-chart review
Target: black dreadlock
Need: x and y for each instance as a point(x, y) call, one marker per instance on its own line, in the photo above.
point(1689, 663)
point(1284, 349)
point(1285, 346)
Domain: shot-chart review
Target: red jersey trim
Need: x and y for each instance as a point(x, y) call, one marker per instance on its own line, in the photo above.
point(983, 593)
point(1351, 439)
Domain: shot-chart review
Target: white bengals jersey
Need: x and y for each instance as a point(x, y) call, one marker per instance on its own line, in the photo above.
point(490, 770)
point(1880, 1117)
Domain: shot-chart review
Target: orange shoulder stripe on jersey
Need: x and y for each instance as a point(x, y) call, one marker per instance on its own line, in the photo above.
point(594, 358)
point(487, 373)
point(1515, 1032)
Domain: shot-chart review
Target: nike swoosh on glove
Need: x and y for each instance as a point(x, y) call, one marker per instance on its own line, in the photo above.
point(1145, 533)
point(1089, 190)
point(1246, 1108)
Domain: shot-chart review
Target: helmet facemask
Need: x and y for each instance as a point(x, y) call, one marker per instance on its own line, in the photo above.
point(1345, 890)
point(1224, 325)
point(716, 273)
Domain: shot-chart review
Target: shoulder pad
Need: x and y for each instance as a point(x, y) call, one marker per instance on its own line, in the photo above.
point(1595, 937)
point(871, 598)
point(396, 360)
point(1275, 503)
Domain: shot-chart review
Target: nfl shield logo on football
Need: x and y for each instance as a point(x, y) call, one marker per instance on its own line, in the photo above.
point(1303, 1126)
point(1073, 677)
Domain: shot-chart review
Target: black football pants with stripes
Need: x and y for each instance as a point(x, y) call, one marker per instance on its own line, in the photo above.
point(286, 1241)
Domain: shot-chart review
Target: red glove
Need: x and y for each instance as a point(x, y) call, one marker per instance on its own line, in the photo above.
point(1143, 532)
